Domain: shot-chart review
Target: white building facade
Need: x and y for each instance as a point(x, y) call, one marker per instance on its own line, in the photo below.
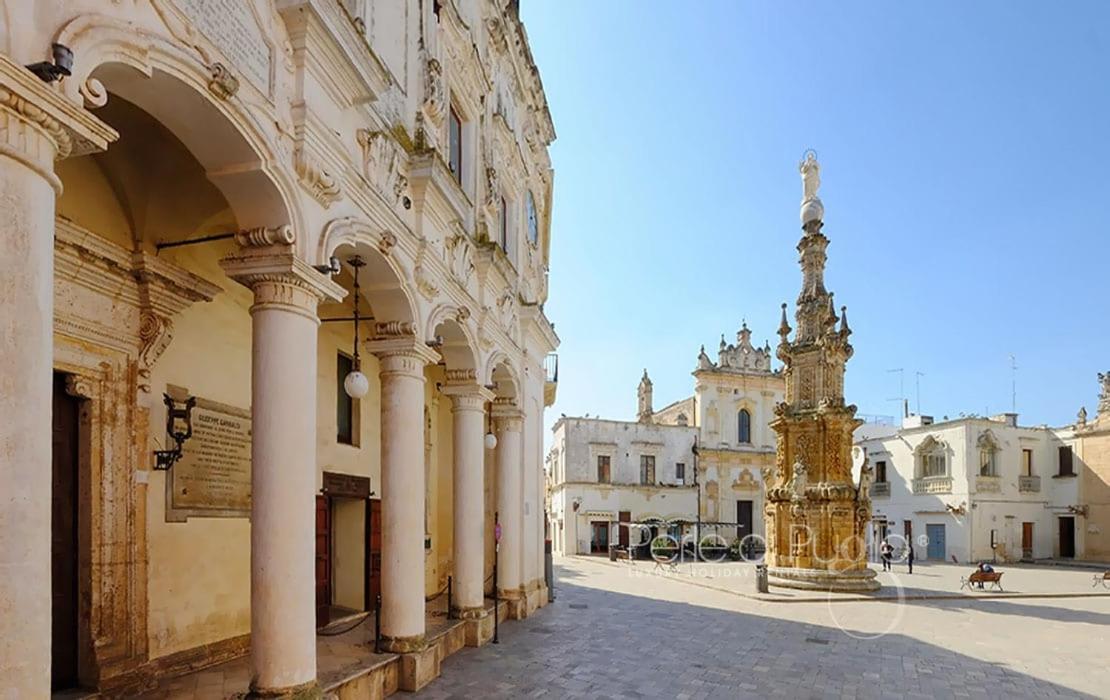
point(709, 452)
point(602, 472)
point(974, 489)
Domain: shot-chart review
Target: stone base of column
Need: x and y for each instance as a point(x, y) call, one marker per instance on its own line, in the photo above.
point(515, 600)
point(472, 613)
point(404, 645)
point(418, 669)
point(855, 581)
point(479, 631)
point(535, 596)
point(306, 691)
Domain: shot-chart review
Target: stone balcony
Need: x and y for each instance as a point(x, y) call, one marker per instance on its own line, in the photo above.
point(1029, 484)
point(932, 485)
point(988, 484)
point(551, 378)
point(880, 488)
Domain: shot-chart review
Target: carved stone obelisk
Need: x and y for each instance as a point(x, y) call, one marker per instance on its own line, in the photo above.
point(816, 515)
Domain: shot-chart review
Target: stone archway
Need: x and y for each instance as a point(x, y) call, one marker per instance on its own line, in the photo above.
point(116, 318)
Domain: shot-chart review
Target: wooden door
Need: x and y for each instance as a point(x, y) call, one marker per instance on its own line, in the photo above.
point(1067, 538)
point(323, 560)
point(937, 546)
point(63, 539)
point(600, 541)
point(1027, 540)
point(743, 518)
point(373, 551)
point(625, 516)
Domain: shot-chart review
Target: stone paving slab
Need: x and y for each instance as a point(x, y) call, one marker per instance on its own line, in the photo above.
point(612, 634)
point(928, 580)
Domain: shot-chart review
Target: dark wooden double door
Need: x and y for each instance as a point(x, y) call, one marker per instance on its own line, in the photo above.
point(63, 537)
point(324, 568)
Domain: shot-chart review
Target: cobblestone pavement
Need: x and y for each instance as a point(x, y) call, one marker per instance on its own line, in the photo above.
point(613, 633)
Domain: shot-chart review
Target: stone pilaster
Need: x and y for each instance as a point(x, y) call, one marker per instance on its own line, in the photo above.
point(37, 127)
point(283, 462)
point(402, 359)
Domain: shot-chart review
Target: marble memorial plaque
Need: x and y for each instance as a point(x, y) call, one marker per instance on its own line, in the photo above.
point(232, 28)
point(213, 476)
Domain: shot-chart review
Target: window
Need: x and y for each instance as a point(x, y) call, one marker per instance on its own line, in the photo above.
point(986, 463)
point(880, 472)
point(934, 465)
point(1027, 462)
point(503, 226)
point(454, 137)
point(344, 404)
point(533, 220)
point(745, 427)
point(932, 458)
point(680, 472)
point(647, 469)
point(1066, 468)
point(603, 469)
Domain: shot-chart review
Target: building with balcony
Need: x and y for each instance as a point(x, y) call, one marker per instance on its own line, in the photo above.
point(709, 452)
point(275, 273)
point(975, 489)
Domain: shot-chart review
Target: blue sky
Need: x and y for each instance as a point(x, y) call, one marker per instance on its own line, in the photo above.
point(965, 175)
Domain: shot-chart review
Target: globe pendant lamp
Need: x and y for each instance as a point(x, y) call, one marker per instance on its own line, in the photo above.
point(355, 383)
point(490, 439)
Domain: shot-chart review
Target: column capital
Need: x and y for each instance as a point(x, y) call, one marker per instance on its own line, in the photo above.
point(465, 392)
point(280, 279)
point(39, 125)
point(508, 415)
point(402, 354)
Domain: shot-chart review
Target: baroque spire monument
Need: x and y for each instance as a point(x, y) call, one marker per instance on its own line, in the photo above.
point(816, 515)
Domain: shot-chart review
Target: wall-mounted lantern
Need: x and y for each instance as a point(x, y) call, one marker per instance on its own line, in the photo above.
point(179, 428)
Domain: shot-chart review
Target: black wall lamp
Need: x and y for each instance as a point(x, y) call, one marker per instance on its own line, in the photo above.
point(60, 68)
point(179, 428)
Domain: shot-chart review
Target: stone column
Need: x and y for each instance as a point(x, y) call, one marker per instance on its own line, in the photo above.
point(283, 457)
point(510, 498)
point(402, 361)
point(468, 410)
point(37, 126)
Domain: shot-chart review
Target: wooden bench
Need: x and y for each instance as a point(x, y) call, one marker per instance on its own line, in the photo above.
point(982, 577)
point(1103, 578)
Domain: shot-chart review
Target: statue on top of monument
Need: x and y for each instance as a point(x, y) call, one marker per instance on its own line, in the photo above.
point(812, 208)
point(1104, 395)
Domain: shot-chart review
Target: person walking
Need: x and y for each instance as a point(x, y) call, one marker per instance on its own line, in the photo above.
point(885, 551)
point(910, 557)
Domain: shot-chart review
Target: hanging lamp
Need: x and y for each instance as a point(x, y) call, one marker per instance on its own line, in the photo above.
point(355, 383)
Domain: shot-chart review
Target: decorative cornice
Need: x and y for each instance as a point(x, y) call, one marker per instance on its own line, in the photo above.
point(41, 125)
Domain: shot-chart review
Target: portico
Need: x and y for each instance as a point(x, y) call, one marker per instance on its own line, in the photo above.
point(173, 215)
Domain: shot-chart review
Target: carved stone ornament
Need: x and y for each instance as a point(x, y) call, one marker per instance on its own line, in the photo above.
point(424, 283)
point(264, 236)
point(387, 242)
point(435, 91)
point(506, 310)
point(458, 253)
point(383, 164)
point(223, 84)
point(317, 180)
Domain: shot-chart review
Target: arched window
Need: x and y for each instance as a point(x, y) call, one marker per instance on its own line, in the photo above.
point(744, 434)
point(932, 458)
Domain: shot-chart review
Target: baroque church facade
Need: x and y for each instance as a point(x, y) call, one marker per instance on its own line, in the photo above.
point(699, 459)
point(276, 352)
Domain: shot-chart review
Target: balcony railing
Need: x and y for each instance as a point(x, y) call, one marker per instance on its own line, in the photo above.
point(932, 484)
point(1029, 484)
point(551, 377)
point(988, 484)
point(880, 488)
point(551, 367)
